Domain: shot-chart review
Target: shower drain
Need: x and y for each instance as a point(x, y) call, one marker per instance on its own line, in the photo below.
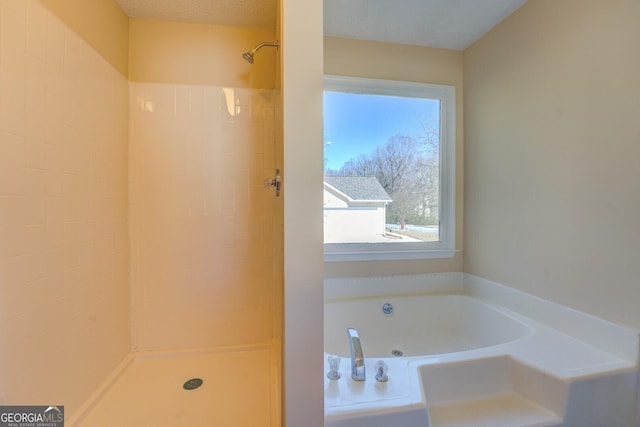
point(397, 353)
point(192, 384)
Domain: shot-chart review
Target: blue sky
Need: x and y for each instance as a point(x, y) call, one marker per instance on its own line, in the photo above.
point(356, 124)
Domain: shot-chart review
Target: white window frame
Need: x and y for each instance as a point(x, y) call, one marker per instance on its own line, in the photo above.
point(445, 248)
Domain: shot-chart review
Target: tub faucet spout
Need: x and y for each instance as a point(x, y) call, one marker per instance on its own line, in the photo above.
point(357, 356)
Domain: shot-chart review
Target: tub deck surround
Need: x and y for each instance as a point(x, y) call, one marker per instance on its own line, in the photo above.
point(554, 367)
point(339, 393)
point(496, 391)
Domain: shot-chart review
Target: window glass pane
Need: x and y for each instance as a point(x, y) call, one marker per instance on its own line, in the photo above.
point(382, 168)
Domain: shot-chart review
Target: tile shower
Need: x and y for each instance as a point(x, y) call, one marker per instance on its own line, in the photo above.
point(202, 223)
point(64, 297)
point(134, 226)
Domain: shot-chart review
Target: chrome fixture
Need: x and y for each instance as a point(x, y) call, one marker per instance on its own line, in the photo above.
point(275, 182)
point(334, 367)
point(357, 356)
point(381, 371)
point(248, 56)
point(387, 308)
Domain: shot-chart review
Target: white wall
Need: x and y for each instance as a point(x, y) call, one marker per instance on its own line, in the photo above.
point(344, 223)
point(64, 296)
point(552, 148)
point(330, 200)
point(301, 66)
point(354, 224)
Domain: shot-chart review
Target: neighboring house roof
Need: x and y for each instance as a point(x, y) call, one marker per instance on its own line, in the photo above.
point(359, 188)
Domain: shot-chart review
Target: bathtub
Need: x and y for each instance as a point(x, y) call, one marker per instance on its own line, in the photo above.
point(418, 325)
point(465, 352)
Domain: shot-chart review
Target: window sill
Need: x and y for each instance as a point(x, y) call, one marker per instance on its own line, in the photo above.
point(400, 255)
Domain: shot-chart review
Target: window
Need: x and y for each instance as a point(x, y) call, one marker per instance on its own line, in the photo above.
point(389, 170)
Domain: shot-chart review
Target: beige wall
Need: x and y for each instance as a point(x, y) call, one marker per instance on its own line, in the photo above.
point(198, 54)
point(552, 98)
point(101, 23)
point(64, 296)
point(356, 58)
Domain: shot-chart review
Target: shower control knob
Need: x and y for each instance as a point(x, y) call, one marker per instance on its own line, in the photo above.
point(275, 182)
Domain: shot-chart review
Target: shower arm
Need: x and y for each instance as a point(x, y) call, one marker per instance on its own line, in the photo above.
point(261, 45)
point(248, 56)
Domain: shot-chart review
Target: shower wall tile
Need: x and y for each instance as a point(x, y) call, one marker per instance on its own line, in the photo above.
point(202, 222)
point(13, 60)
point(64, 304)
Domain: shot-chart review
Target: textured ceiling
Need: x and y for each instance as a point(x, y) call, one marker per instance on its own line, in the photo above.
point(450, 24)
point(237, 13)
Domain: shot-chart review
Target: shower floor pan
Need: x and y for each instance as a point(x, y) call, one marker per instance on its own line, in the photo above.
point(163, 389)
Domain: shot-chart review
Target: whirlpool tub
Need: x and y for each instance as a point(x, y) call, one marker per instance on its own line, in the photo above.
point(418, 325)
point(462, 351)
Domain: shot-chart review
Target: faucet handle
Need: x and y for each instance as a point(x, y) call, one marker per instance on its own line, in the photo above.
point(334, 365)
point(381, 371)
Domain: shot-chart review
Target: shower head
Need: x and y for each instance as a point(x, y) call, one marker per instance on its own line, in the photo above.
point(248, 56)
